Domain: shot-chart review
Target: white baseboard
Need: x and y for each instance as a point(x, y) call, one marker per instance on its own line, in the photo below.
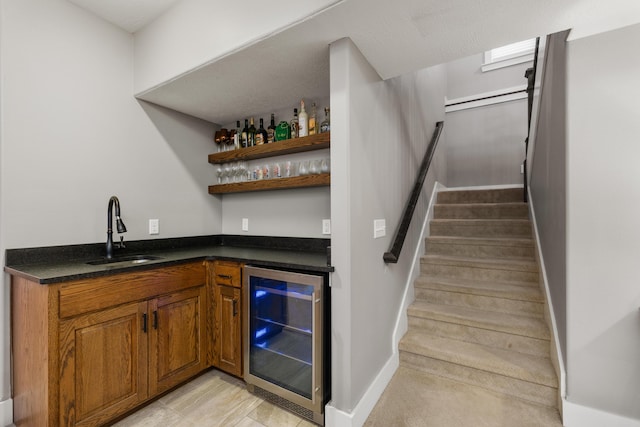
point(576, 415)
point(356, 418)
point(6, 412)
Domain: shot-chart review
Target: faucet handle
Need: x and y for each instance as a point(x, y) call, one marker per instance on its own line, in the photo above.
point(121, 244)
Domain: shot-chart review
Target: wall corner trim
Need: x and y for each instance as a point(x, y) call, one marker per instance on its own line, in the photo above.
point(6, 413)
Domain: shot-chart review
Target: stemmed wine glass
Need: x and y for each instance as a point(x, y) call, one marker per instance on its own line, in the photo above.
point(217, 139)
point(227, 173)
point(219, 172)
point(224, 136)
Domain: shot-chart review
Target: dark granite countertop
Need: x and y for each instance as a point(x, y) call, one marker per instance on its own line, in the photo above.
point(65, 263)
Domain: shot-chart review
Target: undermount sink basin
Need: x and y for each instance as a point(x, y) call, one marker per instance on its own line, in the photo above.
point(132, 259)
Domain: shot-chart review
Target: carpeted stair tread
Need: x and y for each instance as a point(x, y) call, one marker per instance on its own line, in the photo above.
point(513, 264)
point(525, 325)
point(481, 247)
point(537, 370)
point(502, 195)
point(481, 210)
point(416, 399)
point(524, 291)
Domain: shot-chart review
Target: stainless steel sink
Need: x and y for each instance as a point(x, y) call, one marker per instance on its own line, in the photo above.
point(131, 259)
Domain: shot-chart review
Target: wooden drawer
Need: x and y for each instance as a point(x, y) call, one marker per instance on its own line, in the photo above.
point(227, 273)
point(84, 296)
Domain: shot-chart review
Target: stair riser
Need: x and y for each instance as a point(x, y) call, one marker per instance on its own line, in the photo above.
point(532, 332)
point(479, 211)
point(477, 273)
point(510, 195)
point(535, 393)
point(502, 305)
point(498, 339)
point(507, 228)
point(523, 292)
point(479, 251)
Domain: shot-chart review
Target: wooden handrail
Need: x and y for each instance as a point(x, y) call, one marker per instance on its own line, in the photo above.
point(401, 233)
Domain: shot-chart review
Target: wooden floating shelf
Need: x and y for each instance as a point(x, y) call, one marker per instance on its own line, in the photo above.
point(289, 146)
point(316, 180)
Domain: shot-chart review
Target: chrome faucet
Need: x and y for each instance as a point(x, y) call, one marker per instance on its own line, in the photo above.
point(119, 225)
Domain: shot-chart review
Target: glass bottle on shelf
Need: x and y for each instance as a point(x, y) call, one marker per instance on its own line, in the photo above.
point(313, 120)
point(325, 126)
point(244, 137)
point(251, 136)
point(303, 121)
point(237, 136)
point(261, 134)
point(271, 130)
point(294, 124)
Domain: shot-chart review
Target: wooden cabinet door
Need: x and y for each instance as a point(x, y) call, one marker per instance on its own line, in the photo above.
point(228, 327)
point(103, 365)
point(177, 338)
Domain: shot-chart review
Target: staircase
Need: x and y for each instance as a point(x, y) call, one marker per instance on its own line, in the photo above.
point(477, 338)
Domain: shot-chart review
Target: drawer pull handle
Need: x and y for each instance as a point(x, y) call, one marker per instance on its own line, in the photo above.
point(144, 322)
point(225, 276)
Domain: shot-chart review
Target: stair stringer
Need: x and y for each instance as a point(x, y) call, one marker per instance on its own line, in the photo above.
point(555, 352)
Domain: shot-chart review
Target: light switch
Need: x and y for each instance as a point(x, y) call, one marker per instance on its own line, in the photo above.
point(154, 226)
point(379, 228)
point(245, 224)
point(326, 226)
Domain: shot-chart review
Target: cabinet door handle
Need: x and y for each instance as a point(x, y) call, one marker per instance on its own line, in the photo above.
point(155, 319)
point(225, 276)
point(144, 322)
point(235, 308)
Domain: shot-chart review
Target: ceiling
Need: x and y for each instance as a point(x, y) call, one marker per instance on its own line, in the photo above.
point(396, 37)
point(130, 15)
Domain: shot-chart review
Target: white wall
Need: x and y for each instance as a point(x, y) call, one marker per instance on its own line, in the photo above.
point(380, 132)
point(195, 32)
point(603, 233)
point(485, 144)
point(72, 135)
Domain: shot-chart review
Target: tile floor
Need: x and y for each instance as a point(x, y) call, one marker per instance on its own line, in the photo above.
point(212, 399)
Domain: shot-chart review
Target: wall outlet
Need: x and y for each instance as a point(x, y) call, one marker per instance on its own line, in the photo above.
point(154, 226)
point(245, 224)
point(522, 169)
point(326, 226)
point(379, 228)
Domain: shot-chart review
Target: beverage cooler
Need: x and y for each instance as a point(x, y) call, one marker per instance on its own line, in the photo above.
point(287, 354)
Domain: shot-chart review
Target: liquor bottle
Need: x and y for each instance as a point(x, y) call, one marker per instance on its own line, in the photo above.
point(271, 130)
point(294, 124)
point(303, 121)
point(237, 136)
point(261, 134)
point(325, 126)
point(244, 137)
point(313, 120)
point(251, 136)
